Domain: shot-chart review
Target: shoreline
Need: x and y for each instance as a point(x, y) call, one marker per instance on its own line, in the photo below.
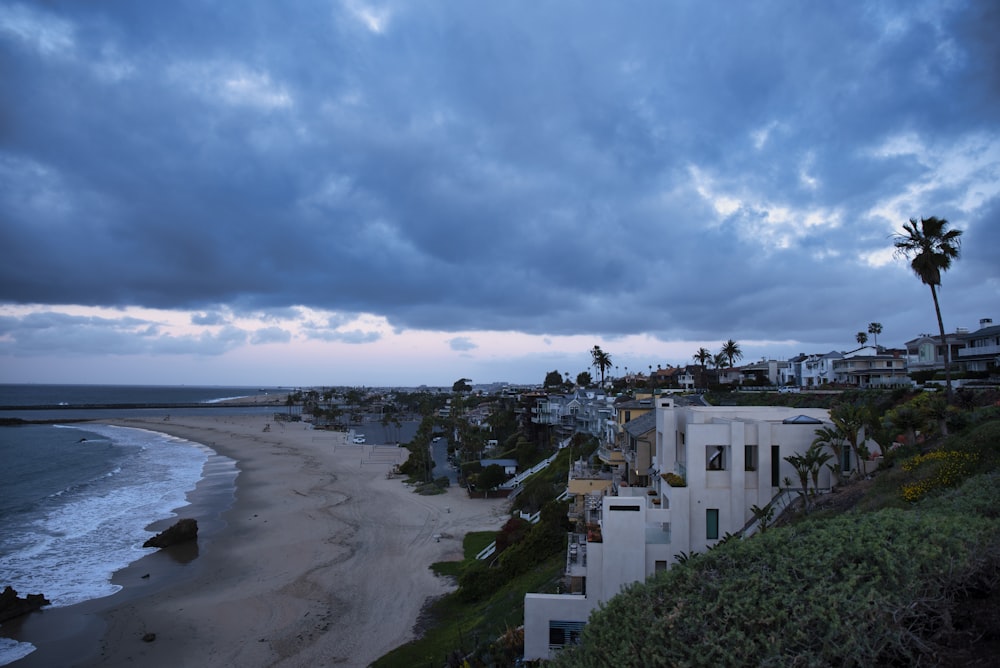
point(319, 559)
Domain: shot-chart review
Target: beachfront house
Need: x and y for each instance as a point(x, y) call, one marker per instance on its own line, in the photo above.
point(709, 466)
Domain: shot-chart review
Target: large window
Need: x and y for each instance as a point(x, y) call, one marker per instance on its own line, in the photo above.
point(715, 458)
point(711, 523)
point(749, 457)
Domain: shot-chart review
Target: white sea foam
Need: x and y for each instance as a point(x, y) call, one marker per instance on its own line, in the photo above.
point(11, 650)
point(70, 548)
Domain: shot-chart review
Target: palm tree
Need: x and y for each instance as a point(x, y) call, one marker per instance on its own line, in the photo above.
point(815, 457)
point(849, 421)
point(831, 436)
point(602, 361)
point(702, 357)
point(732, 351)
point(719, 361)
point(862, 338)
point(801, 466)
point(875, 328)
point(930, 247)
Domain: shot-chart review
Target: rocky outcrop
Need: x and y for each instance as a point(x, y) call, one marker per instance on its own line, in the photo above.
point(181, 532)
point(12, 605)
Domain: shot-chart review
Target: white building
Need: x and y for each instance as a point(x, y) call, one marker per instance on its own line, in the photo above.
point(731, 458)
point(817, 370)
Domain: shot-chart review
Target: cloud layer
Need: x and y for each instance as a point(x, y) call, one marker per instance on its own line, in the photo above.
point(677, 170)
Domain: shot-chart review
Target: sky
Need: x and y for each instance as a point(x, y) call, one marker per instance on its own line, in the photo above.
point(404, 193)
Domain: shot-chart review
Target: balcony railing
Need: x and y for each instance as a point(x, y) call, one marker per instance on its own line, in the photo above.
point(611, 455)
point(980, 350)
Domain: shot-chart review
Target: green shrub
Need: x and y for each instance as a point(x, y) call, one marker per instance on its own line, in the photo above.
point(674, 480)
point(882, 588)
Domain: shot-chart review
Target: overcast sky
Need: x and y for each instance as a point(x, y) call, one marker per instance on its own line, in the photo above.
point(329, 193)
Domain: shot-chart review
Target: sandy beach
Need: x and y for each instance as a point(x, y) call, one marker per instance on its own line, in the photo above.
point(321, 560)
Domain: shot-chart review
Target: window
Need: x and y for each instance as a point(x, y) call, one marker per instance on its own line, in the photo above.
point(775, 466)
point(711, 523)
point(749, 457)
point(715, 458)
point(562, 633)
point(845, 464)
point(659, 566)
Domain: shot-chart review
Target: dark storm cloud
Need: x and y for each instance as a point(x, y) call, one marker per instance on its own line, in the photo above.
point(551, 168)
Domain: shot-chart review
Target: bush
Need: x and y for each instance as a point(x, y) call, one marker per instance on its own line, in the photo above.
point(674, 480)
point(883, 588)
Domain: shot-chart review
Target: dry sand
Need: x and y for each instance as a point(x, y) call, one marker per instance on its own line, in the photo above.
point(323, 560)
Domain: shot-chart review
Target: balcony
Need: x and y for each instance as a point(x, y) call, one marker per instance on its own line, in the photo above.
point(658, 534)
point(576, 556)
point(612, 456)
point(979, 351)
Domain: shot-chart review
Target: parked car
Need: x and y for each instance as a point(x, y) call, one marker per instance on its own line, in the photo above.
point(359, 439)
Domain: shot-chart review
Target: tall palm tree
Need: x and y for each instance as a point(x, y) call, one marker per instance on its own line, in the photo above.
point(719, 361)
point(930, 247)
point(702, 357)
point(732, 351)
point(601, 360)
point(875, 328)
point(862, 338)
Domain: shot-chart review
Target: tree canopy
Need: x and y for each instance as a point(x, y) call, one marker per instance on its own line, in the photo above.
point(553, 379)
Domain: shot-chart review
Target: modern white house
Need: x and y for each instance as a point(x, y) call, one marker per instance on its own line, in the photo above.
point(729, 459)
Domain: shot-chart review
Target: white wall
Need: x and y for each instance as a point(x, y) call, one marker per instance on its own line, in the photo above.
point(539, 609)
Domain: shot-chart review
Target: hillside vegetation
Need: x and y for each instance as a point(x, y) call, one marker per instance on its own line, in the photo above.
point(910, 576)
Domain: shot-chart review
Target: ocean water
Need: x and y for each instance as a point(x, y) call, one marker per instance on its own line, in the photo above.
point(75, 500)
point(26, 402)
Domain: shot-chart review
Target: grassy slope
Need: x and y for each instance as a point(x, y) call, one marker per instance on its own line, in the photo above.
point(453, 625)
